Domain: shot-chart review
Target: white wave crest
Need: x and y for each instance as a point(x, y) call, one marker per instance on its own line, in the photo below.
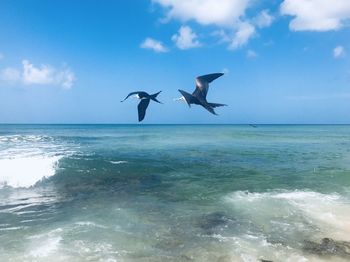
point(26, 171)
point(27, 159)
point(89, 224)
point(118, 162)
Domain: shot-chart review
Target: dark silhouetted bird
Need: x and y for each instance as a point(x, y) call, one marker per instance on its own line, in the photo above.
point(199, 96)
point(145, 99)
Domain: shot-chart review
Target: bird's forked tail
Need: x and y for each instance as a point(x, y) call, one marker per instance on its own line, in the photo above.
point(216, 105)
point(154, 97)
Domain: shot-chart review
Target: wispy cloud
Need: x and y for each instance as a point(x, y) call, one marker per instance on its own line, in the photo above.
point(237, 39)
point(264, 19)
point(251, 54)
point(10, 75)
point(155, 45)
point(339, 51)
point(316, 15)
point(29, 74)
point(186, 38)
point(241, 37)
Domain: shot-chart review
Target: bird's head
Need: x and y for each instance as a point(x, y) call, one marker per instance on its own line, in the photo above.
point(180, 99)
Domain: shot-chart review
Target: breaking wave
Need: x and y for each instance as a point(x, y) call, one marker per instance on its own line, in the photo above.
point(27, 159)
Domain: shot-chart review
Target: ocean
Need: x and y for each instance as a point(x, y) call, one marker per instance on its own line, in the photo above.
point(174, 193)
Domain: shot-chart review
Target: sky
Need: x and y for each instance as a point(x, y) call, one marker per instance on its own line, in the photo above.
point(285, 61)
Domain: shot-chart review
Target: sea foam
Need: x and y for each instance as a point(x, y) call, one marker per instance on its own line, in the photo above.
point(26, 171)
point(279, 222)
point(27, 159)
point(328, 212)
point(118, 162)
point(45, 244)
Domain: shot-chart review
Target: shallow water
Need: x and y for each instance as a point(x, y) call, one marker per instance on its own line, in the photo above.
point(172, 193)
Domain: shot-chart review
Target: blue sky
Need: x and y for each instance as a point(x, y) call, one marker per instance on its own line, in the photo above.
point(73, 61)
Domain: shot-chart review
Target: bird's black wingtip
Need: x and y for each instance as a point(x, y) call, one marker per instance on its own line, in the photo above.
point(213, 112)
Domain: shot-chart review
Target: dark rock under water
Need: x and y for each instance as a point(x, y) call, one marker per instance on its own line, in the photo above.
point(210, 222)
point(328, 247)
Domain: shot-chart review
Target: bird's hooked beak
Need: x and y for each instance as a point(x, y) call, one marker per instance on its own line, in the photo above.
point(180, 99)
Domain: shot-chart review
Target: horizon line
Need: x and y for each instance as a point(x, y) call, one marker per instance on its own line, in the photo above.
point(142, 124)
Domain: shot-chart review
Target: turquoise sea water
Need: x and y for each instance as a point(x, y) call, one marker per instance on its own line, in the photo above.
point(173, 192)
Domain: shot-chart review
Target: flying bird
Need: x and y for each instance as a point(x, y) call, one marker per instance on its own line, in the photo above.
point(145, 99)
point(199, 96)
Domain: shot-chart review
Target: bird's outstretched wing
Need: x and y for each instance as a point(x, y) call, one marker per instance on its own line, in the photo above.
point(132, 93)
point(202, 84)
point(209, 78)
point(142, 108)
point(190, 99)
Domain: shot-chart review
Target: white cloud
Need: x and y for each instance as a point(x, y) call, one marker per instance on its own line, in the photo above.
point(10, 75)
point(46, 74)
point(42, 75)
point(242, 35)
point(316, 15)
point(186, 38)
point(228, 16)
point(205, 12)
point(252, 54)
point(238, 37)
point(154, 45)
point(264, 19)
point(338, 52)
point(37, 75)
